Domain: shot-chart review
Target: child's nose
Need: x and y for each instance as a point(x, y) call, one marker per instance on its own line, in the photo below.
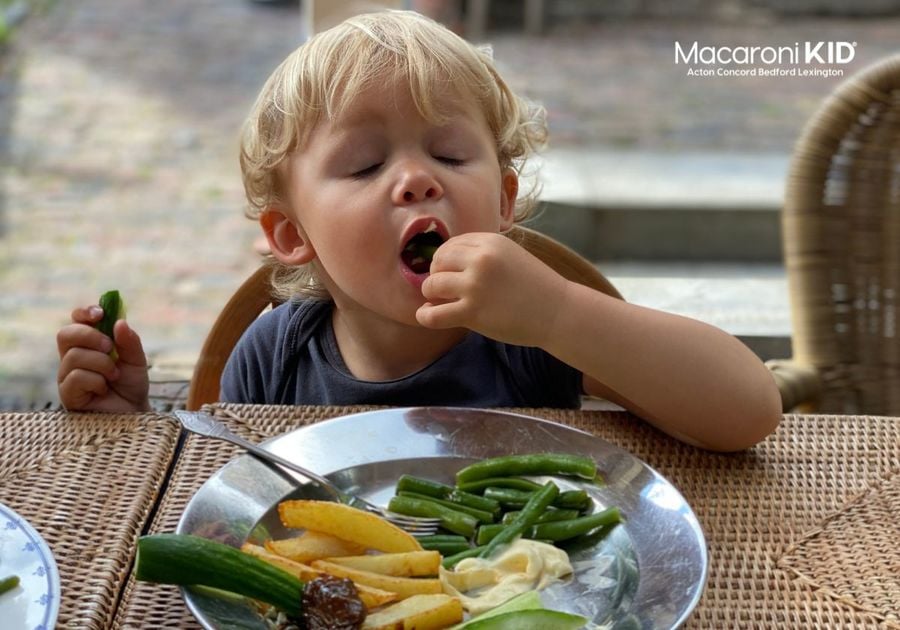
point(417, 184)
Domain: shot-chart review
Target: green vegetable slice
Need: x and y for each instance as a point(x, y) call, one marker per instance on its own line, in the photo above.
point(113, 310)
point(191, 560)
point(9, 583)
point(540, 619)
point(529, 600)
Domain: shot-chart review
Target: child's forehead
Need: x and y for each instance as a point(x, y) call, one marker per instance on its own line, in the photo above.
point(437, 103)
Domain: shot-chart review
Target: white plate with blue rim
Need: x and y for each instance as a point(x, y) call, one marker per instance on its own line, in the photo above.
point(34, 603)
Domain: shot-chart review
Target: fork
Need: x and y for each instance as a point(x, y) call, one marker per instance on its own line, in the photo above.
point(202, 423)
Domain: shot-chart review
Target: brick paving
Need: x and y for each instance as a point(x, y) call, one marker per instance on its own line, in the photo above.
point(118, 136)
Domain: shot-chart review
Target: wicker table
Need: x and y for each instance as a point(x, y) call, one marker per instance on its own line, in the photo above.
point(802, 530)
point(88, 483)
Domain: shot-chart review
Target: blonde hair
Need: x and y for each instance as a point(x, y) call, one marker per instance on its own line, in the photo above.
point(320, 79)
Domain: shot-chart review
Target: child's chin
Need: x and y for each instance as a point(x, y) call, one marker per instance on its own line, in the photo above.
point(406, 314)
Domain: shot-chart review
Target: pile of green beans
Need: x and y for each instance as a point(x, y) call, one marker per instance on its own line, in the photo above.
point(493, 502)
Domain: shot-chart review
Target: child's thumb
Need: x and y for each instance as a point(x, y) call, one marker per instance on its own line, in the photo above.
point(128, 345)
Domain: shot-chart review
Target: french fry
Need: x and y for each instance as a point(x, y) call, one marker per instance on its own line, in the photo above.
point(419, 612)
point(311, 545)
point(347, 523)
point(403, 586)
point(371, 597)
point(404, 564)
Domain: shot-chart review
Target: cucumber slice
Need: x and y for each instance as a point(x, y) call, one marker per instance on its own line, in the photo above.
point(113, 310)
point(192, 560)
point(529, 600)
point(542, 619)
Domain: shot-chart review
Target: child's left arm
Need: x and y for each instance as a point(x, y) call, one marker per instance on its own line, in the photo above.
point(689, 379)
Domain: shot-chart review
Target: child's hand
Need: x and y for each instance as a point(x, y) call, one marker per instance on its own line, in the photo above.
point(89, 380)
point(487, 283)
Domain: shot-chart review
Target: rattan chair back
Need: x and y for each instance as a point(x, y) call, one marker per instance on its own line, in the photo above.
point(255, 295)
point(841, 230)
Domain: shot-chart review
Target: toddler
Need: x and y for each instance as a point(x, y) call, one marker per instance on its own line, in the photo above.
point(382, 161)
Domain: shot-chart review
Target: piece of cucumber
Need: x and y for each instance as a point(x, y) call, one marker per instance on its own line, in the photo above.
point(9, 583)
point(113, 310)
point(539, 619)
point(191, 560)
point(529, 600)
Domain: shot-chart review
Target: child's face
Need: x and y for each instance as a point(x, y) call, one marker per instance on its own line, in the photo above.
point(367, 183)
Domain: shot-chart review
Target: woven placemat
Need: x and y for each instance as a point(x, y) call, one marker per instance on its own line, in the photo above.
point(754, 506)
point(146, 605)
point(829, 557)
point(87, 483)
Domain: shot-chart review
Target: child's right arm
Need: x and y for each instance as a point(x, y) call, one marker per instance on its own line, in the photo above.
point(88, 379)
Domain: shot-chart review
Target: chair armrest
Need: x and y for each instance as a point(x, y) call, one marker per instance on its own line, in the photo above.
point(800, 385)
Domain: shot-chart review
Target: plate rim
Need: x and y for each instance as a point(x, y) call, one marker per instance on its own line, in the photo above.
point(268, 443)
point(48, 561)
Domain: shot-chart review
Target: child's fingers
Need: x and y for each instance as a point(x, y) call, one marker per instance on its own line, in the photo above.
point(443, 286)
point(128, 345)
point(450, 258)
point(80, 387)
point(87, 314)
point(448, 315)
point(84, 360)
point(81, 336)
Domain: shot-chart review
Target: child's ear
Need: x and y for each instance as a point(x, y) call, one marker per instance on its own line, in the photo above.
point(509, 189)
point(287, 241)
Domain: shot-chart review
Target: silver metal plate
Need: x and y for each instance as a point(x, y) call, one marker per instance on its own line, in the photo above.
point(648, 573)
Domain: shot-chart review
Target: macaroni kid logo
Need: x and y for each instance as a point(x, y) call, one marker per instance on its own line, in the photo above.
point(799, 60)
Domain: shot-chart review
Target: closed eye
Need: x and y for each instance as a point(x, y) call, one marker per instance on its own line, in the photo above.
point(449, 161)
point(369, 170)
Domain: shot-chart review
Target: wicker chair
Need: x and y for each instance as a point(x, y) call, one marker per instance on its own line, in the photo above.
point(254, 296)
point(841, 227)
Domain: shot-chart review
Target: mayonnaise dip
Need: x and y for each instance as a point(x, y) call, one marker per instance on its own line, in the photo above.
point(523, 566)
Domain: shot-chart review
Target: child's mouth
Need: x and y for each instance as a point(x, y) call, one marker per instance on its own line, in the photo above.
point(419, 251)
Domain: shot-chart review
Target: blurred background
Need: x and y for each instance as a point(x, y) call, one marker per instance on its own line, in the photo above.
point(118, 154)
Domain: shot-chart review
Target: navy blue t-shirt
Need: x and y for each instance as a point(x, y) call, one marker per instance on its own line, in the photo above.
point(290, 356)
